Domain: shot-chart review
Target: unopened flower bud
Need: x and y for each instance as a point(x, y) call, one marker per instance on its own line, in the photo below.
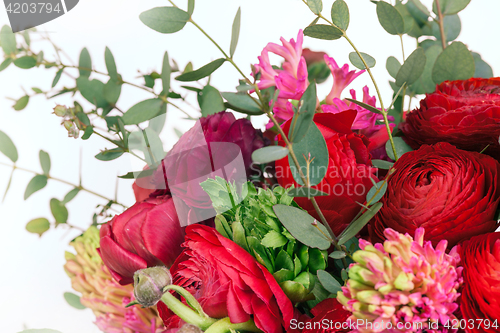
point(60, 110)
point(190, 328)
point(149, 284)
point(68, 125)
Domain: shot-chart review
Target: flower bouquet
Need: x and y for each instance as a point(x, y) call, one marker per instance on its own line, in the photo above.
point(339, 215)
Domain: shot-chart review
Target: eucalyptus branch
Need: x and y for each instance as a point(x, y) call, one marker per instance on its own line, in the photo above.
point(384, 112)
point(441, 24)
point(125, 149)
point(80, 187)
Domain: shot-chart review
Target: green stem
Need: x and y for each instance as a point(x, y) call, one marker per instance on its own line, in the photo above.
point(80, 187)
point(441, 24)
point(186, 313)
point(225, 326)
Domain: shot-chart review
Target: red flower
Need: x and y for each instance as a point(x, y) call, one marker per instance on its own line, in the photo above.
point(481, 292)
point(451, 193)
point(463, 113)
point(349, 170)
point(329, 317)
point(143, 187)
point(228, 281)
point(219, 145)
point(145, 235)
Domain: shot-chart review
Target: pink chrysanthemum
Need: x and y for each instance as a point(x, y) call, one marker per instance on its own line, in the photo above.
point(102, 294)
point(404, 285)
point(342, 77)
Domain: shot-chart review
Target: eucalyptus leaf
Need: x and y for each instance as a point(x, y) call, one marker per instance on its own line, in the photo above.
point(210, 101)
point(316, 6)
point(482, 68)
point(165, 20)
point(376, 192)
point(166, 71)
point(92, 91)
point(314, 145)
point(400, 145)
point(452, 27)
point(85, 63)
point(340, 14)
point(454, 63)
point(6, 63)
point(111, 91)
point(450, 7)
point(74, 301)
point(57, 77)
point(269, 154)
point(8, 148)
point(21, 103)
point(110, 64)
point(365, 106)
point(235, 32)
point(38, 226)
point(59, 211)
point(355, 227)
point(323, 31)
point(242, 102)
point(337, 255)
point(45, 162)
point(300, 225)
point(202, 72)
point(70, 195)
point(358, 63)
point(412, 68)
point(142, 111)
point(89, 130)
point(392, 65)
point(8, 41)
point(390, 19)
point(109, 155)
point(381, 164)
point(425, 84)
point(329, 282)
point(25, 62)
point(190, 7)
point(302, 120)
point(36, 184)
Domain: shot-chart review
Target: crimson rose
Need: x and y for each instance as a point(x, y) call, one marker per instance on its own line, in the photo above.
point(463, 113)
point(349, 170)
point(145, 235)
point(331, 312)
point(481, 291)
point(228, 281)
point(451, 193)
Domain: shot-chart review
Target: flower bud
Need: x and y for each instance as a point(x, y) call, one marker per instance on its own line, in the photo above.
point(68, 124)
point(60, 110)
point(190, 328)
point(149, 284)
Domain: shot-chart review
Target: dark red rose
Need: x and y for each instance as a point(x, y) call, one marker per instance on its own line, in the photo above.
point(329, 317)
point(451, 193)
point(145, 235)
point(463, 113)
point(228, 281)
point(218, 145)
point(349, 170)
point(481, 289)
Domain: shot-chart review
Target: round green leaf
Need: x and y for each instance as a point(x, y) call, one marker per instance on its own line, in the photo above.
point(202, 72)
point(85, 63)
point(400, 145)
point(454, 63)
point(8, 148)
point(74, 301)
point(59, 211)
point(322, 31)
point(482, 68)
point(393, 65)
point(142, 111)
point(38, 226)
point(340, 14)
point(44, 162)
point(450, 7)
point(92, 91)
point(25, 62)
point(299, 224)
point(425, 84)
point(269, 154)
point(210, 101)
point(390, 19)
point(166, 20)
point(329, 282)
point(21, 103)
point(111, 91)
point(412, 68)
point(36, 184)
point(452, 28)
point(8, 41)
point(356, 60)
point(316, 6)
point(315, 145)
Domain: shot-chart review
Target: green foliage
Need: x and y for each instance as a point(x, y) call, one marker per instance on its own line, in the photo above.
point(235, 32)
point(355, 227)
point(166, 20)
point(312, 147)
point(390, 19)
point(376, 192)
point(392, 65)
point(21, 103)
point(210, 101)
point(36, 184)
point(110, 64)
point(412, 68)
point(25, 62)
point(166, 71)
point(316, 6)
point(358, 63)
point(454, 63)
point(45, 162)
point(7, 147)
point(269, 154)
point(85, 63)
point(450, 7)
point(74, 301)
point(322, 31)
point(38, 226)
point(242, 102)
point(401, 148)
point(452, 28)
point(482, 68)
point(302, 120)
point(202, 72)
point(340, 14)
point(142, 111)
point(59, 211)
point(8, 41)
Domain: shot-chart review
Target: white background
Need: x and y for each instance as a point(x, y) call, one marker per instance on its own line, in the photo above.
point(32, 280)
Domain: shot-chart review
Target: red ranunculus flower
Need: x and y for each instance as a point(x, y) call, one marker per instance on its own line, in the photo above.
point(451, 193)
point(218, 145)
point(145, 235)
point(329, 317)
point(228, 281)
point(349, 170)
point(463, 113)
point(481, 291)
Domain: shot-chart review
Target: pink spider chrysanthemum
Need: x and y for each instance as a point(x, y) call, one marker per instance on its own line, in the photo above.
point(403, 285)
